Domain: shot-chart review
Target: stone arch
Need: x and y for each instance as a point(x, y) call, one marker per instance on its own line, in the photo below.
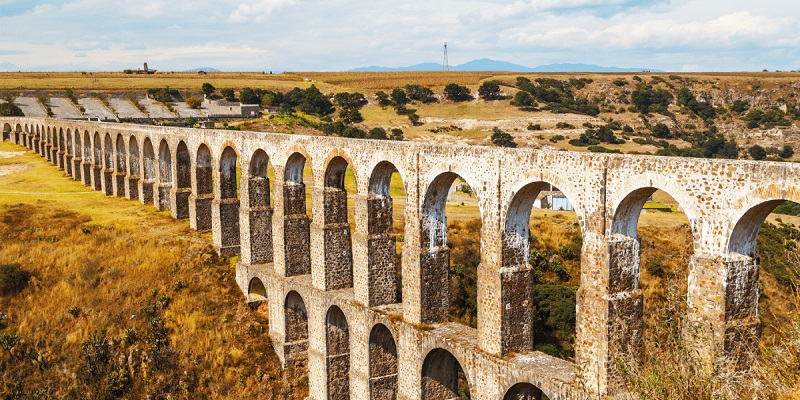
point(256, 290)
point(440, 376)
point(108, 152)
point(134, 168)
point(296, 224)
point(69, 154)
point(164, 185)
point(149, 172)
point(382, 363)
point(183, 172)
point(517, 278)
point(296, 324)
point(338, 246)
point(337, 360)
point(624, 281)
point(6, 132)
point(383, 284)
point(205, 188)
point(434, 256)
point(260, 210)
point(229, 202)
point(524, 391)
point(97, 162)
point(121, 166)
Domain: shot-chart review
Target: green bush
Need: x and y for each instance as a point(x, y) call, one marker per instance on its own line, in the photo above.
point(10, 110)
point(13, 278)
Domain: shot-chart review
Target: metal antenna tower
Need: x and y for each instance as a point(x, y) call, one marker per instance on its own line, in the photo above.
point(445, 62)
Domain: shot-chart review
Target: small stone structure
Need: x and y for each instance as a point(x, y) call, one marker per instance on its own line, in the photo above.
point(330, 293)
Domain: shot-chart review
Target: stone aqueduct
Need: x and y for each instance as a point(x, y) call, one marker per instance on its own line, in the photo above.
point(331, 296)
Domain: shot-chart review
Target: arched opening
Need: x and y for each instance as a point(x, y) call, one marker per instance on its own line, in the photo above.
point(205, 189)
point(443, 378)
point(540, 274)
point(121, 167)
point(449, 251)
point(7, 132)
point(184, 180)
point(68, 154)
point(260, 238)
point(149, 172)
point(384, 223)
point(37, 140)
point(338, 246)
point(229, 202)
point(382, 364)
point(164, 185)
point(61, 150)
point(86, 157)
point(763, 271)
point(257, 292)
point(97, 163)
point(296, 232)
point(650, 249)
point(525, 391)
point(134, 168)
point(18, 135)
point(296, 346)
point(50, 148)
point(337, 339)
point(108, 165)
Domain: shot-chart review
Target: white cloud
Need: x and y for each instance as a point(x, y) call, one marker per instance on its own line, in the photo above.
point(258, 11)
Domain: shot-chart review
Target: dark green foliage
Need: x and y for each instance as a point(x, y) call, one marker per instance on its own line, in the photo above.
point(661, 131)
point(557, 138)
point(655, 269)
point(768, 119)
point(457, 93)
point(490, 90)
point(702, 109)
point(13, 279)
point(786, 152)
point(383, 98)
point(420, 93)
point(228, 94)
point(704, 145)
point(647, 99)
point(757, 152)
point(396, 134)
point(534, 127)
point(776, 246)
point(250, 96)
point(10, 110)
point(627, 129)
point(208, 89)
point(352, 101)
point(788, 208)
point(601, 149)
point(502, 138)
point(313, 101)
point(414, 118)
point(595, 136)
point(164, 95)
point(351, 116)
point(523, 99)
point(739, 106)
point(554, 319)
point(399, 98)
point(558, 95)
point(620, 82)
point(377, 133)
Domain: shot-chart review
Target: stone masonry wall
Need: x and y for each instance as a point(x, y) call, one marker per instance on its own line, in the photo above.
point(716, 195)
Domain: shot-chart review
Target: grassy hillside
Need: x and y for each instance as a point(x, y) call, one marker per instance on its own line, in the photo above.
point(122, 301)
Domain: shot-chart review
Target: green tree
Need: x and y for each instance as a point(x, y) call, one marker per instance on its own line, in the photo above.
point(740, 106)
point(420, 93)
point(193, 102)
point(661, 131)
point(414, 118)
point(523, 99)
point(351, 116)
point(757, 152)
point(228, 94)
point(396, 134)
point(377, 133)
point(314, 102)
point(383, 98)
point(490, 90)
point(399, 97)
point(354, 101)
point(786, 152)
point(457, 93)
point(250, 96)
point(10, 110)
point(502, 138)
point(208, 89)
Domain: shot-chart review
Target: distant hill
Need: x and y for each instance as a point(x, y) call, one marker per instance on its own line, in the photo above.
point(204, 69)
point(485, 64)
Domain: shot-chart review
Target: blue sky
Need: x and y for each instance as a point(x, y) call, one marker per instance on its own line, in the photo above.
point(334, 35)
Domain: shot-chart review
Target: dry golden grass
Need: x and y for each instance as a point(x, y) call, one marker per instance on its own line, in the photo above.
point(118, 81)
point(108, 272)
